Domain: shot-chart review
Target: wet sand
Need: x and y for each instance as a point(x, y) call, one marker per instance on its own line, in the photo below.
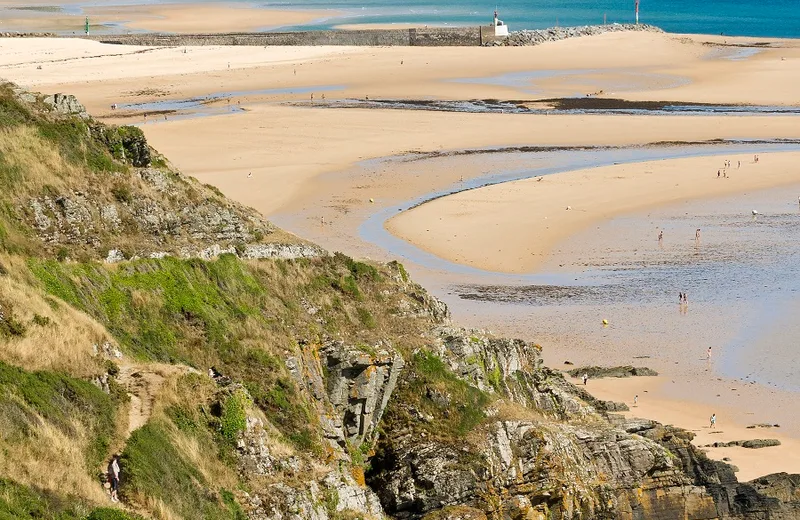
point(512, 227)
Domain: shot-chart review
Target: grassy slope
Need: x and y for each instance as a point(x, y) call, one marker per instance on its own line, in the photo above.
point(243, 317)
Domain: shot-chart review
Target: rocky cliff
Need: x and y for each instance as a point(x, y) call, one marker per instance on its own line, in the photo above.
point(243, 373)
point(101, 190)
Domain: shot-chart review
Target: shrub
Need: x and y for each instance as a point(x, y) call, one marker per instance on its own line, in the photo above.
point(366, 318)
point(234, 416)
point(41, 321)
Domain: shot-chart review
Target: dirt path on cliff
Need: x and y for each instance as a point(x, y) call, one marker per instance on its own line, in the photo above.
point(144, 383)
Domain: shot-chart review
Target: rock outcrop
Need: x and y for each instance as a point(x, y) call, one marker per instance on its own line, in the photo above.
point(351, 388)
point(752, 444)
point(290, 487)
point(623, 371)
point(562, 456)
point(117, 199)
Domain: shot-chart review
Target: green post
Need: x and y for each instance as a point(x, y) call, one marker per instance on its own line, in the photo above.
point(86, 26)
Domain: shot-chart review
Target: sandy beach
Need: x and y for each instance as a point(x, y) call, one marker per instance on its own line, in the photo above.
point(310, 161)
point(481, 227)
point(168, 18)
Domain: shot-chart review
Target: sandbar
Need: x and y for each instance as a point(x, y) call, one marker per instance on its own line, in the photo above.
point(512, 227)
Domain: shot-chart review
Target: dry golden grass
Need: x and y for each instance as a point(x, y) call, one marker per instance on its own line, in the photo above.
point(161, 510)
point(38, 161)
point(52, 460)
point(65, 344)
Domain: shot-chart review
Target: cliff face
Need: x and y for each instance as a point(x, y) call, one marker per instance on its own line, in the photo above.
point(545, 451)
point(339, 389)
point(100, 191)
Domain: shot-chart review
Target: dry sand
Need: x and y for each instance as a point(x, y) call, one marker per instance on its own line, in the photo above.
point(170, 18)
point(289, 147)
point(512, 227)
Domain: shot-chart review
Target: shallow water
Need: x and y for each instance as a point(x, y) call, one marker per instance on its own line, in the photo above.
point(622, 80)
point(546, 163)
point(742, 277)
point(617, 107)
point(744, 274)
point(204, 106)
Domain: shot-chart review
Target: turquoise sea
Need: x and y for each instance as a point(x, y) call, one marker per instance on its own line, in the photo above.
point(773, 18)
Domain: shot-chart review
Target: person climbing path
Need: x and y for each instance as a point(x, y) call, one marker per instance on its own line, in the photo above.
point(113, 477)
point(585, 378)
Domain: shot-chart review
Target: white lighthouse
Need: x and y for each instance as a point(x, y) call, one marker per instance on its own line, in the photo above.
point(500, 29)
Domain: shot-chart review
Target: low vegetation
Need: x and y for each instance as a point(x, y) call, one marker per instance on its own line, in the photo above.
point(64, 313)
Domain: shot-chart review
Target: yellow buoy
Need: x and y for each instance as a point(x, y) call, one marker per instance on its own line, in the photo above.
point(605, 322)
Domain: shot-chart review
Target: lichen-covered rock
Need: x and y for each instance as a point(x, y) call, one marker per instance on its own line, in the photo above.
point(351, 388)
point(548, 469)
point(290, 487)
point(511, 367)
point(66, 104)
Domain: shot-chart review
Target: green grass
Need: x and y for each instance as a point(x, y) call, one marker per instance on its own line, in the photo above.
point(239, 317)
point(57, 399)
point(234, 416)
point(466, 409)
point(19, 502)
point(107, 513)
point(155, 468)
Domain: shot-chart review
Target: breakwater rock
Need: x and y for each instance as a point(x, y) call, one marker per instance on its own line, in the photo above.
point(535, 37)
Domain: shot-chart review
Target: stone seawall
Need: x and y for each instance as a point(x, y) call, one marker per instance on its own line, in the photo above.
point(427, 37)
point(420, 37)
point(535, 37)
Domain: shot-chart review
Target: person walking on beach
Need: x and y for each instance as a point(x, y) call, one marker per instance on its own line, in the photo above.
point(636, 400)
point(697, 235)
point(585, 378)
point(738, 164)
point(685, 298)
point(708, 354)
point(713, 421)
point(719, 172)
point(113, 476)
point(680, 297)
point(660, 236)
